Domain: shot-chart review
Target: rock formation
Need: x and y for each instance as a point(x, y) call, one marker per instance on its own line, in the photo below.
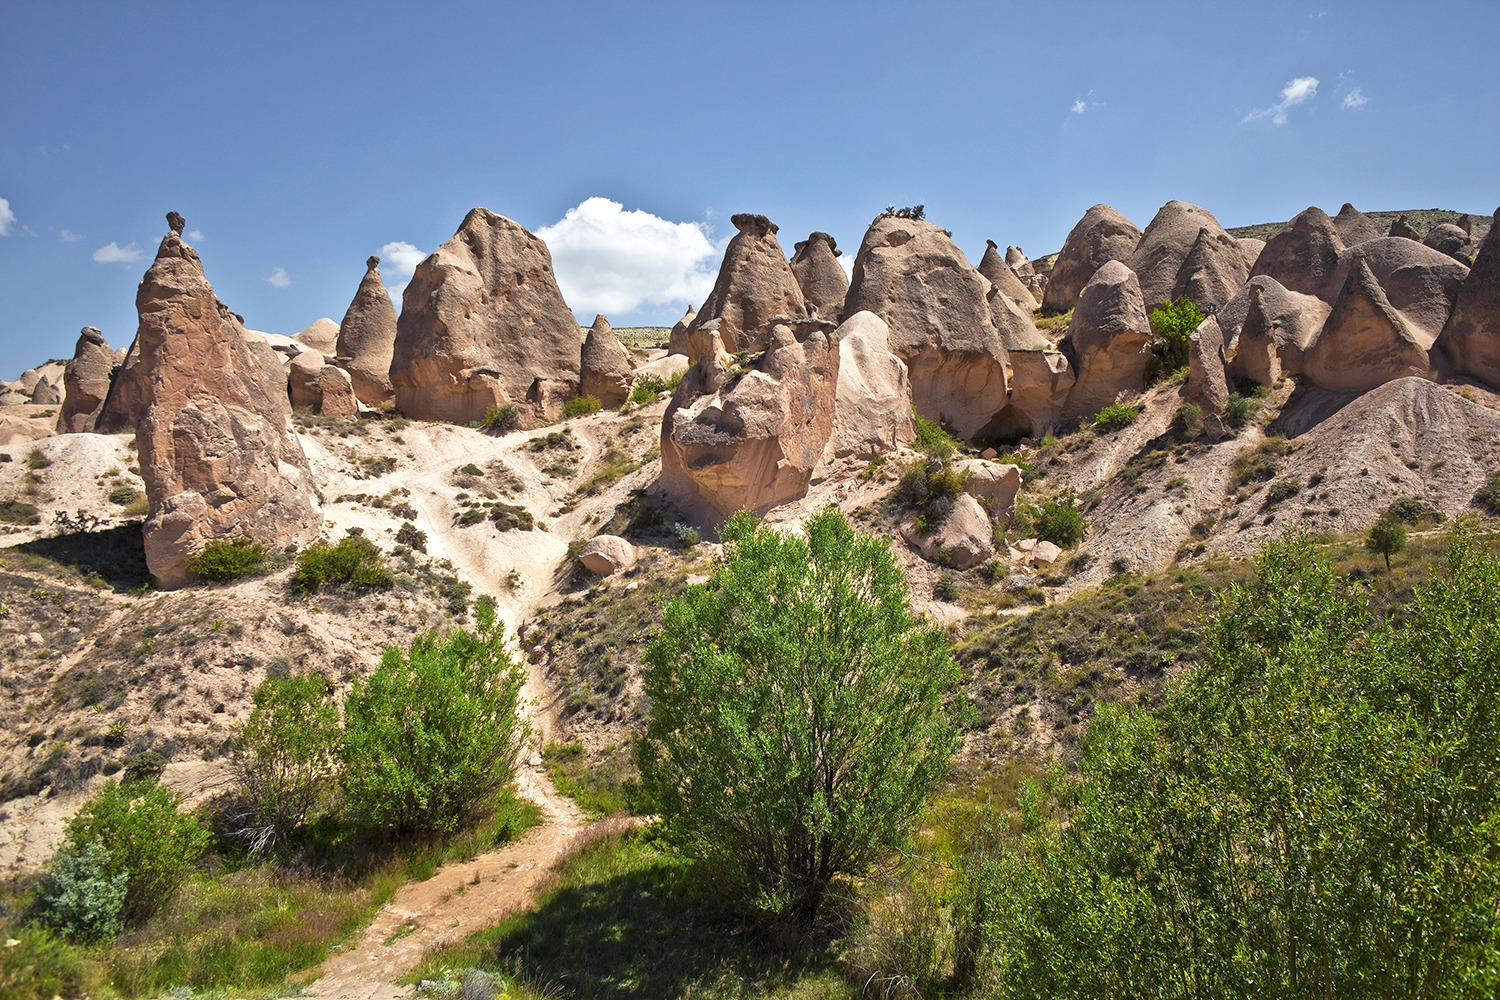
point(1297, 318)
point(46, 393)
point(994, 485)
point(1353, 226)
point(1111, 337)
point(963, 539)
point(1102, 235)
point(1302, 254)
point(1041, 380)
point(1257, 356)
point(606, 366)
point(823, 282)
point(1185, 247)
point(677, 340)
point(1365, 341)
point(751, 439)
point(1208, 382)
point(1418, 281)
point(321, 335)
point(872, 403)
point(605, 555)
point(910, 274)
point(85, 382)
point(126, 401)
point(217, 451)
point(1446, 238)
point(482, 324)
point(367, 338)
point(1470, 342)
point(323, 388)
point(1026, 271)
point(755, 283)
point(1405, 230)
point(993, 267)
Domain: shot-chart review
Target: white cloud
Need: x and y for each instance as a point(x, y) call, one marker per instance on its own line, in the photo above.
point(1080, 106)
point(1353, 99)
point(7, 217)
point(195, 234)
point(116, 254)
point(68, 236)
point(609, 260)
point(399, 259)
point(278, 277)
point(1300, 90)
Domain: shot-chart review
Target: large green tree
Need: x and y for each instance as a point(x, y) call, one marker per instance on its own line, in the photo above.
point(800, 713)
point(284, 753)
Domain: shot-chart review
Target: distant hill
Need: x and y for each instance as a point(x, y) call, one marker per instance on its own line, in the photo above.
point(1421, 219)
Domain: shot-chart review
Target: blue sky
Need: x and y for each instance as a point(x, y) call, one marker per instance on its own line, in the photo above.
point(299, 138)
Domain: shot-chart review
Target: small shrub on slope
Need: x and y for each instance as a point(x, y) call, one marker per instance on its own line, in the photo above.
point(221, 561)
point(355, 562)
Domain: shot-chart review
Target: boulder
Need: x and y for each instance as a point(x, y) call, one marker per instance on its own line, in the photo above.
point(751, 439)
point(1418, 281)
point(1446, 238)
point(823, 282)
point(1353, 226)
point(605, 555)
point(1102, 235)
point(606, 366)
point(755, 283)
point(995, 486)
point(872, 401)
point(965, 537)
point(367, 338)
point(1303, 254)
point(322, 335)
point(1111, 338)
point(1208, 383)
point(993, 267)
point(1365, 342)
point(1044, 554)
point(126, 401)
point(483, 324)
point(677, 340)
point(910, 274)
point(326, 389)
point(1405, 230)
point(217, 451)
point(85, 382)
point(1183, 234)
point(1470, 342)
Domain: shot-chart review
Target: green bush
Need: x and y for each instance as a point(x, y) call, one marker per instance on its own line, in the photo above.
point(1189, 420)
point(1415, 511)
point(284, 754)
point(648, 387)
point(1114, 417)
point(355, 562)
point(221, 561)
point(433, 734)
point(123, 495)
point(1058, 521)
point(932, 440)
point(581, 406)
point(1283, 489)
point(501, 418)
point(19, 512)
point(412, 537)
point(40, 965)
point(78, 897)
point(1173, 325)
point(148, 839)
point(1487, 498)
point(1238, 410)
point(930, 489)
point(1386, 538)
point(778, 795)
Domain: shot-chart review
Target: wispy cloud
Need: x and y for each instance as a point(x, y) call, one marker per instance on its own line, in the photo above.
point(278, 277)
point(1082, 105)
point(7, 217)
point(1353, 99)
point(68, 236)
point(610, 260)
point(113, 253)
point(195, 235)
point(399, 260)
point(1299, 91)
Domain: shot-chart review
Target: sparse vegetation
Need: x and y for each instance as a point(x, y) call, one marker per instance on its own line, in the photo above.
point(933, 440)
point(1114, 417)
point(221, 561)
point(1057, 520)
point(581, 406)
point(354, 562)
point(19, 512)
point(501, 418)
point(648, 387)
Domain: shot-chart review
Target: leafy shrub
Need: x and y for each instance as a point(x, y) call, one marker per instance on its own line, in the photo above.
point(1386, 538)
point(501, 418)
point(284, 753)
point(220, 561)
point(932, 440)
point(1189, 420)
point(1238, 409)
point(932, 490)
point(648, 387)
point(686, 534)
point(581, 406)
point(124, 495)
point(1259, 462)
point(148, 839)
point(78, 897)
point(36, 963)
point(509, 517)
point(355, 562)
point(1415, 511)
point(916, 212)
point(412, 537)
point(1114, 417)
point(1173, 325)
point(19, 512)
point(1058, 520)
point(1283, 489)
point(433, 734)
point(36, 461)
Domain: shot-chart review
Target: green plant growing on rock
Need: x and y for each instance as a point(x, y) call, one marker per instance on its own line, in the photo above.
point(1172, 325)
point(1057, 520)
point(501, 418)
point(932, 440)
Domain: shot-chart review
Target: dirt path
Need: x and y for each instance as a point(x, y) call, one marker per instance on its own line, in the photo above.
point(457, 901)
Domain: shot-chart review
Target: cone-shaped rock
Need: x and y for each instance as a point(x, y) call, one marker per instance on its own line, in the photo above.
point(1446, 238)
point(1102, 235)
point(755, 283)
point(677, 339)
point(46, 393)
point(751, 440)
point(606, 366)
point(910, 274)
point(1353, 226)
point(1418, 281)
point(1405, 230)
point(85, 382)
point(1165, 247)
point(126, 401)
point(1365, 342)
point(1294, 317)
point(1208, 382)
point(483, 323)
point(1256, 357)
point(367, 337)
point(1213, 270)
point(1470, 341)
point(872, 410)
point(1018, 262)
point(823, 282)
point(1302, 254)
point(1111, 337)
point(321, 335)
point(217, 451)
point(994, 268)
